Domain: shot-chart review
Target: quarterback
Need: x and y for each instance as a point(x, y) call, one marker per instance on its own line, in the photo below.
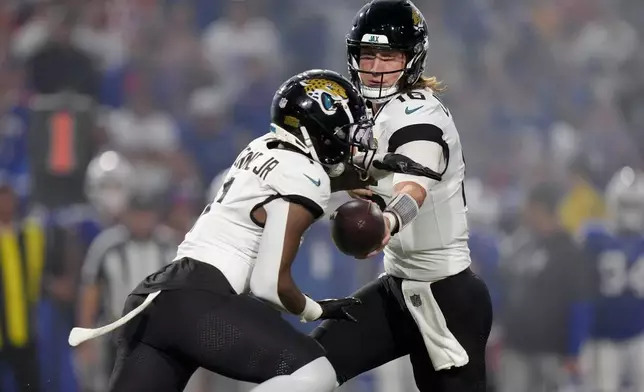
point(428, 304)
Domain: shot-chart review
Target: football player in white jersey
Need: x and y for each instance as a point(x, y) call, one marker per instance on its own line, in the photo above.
point(197, 312)
point(428, 304)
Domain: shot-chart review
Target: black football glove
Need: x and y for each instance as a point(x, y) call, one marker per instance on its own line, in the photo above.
point(337, 308)
point(350, 179)
point(398, 163)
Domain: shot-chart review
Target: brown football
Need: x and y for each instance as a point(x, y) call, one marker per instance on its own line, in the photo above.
point(357, 227)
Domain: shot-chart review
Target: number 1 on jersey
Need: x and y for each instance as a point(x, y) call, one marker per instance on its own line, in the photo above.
point(224, 189)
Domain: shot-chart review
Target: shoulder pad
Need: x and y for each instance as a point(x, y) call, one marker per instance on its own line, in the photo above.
point(417, 106)
point(301, 177)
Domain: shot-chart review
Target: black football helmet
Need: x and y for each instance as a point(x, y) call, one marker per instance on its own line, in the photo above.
point(321, 114)
point(389, 25)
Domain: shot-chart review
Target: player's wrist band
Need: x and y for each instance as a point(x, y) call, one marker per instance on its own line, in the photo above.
point(393, 221)
point(312, 311)
point(404, 208)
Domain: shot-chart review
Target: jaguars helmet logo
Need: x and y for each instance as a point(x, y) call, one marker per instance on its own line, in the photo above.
point(326, 92)
point(416, 18)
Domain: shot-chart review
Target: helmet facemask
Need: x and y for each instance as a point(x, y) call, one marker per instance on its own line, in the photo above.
point(357, 146)
point(407, 76)
point(362, 145)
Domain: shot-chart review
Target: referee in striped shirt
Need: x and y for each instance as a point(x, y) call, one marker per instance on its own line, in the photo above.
point(117, 260)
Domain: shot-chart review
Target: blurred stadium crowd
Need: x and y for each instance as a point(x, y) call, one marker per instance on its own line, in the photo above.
point(160, 95)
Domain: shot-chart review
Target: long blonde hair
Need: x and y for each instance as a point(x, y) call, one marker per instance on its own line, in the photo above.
point(430, 82)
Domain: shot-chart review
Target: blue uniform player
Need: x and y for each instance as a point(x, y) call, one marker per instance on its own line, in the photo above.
point(615, 352)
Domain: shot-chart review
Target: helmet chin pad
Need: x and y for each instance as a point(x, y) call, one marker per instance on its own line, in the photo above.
point(381, 94)
point(378, 94)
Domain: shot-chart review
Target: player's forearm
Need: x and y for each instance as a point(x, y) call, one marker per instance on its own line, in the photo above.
point(271, 279)
point(264, 282)
point(265, 277)
point(410, 191)
point(290, 295)
point(405, 205)
point(265, 288)
point(285, 295)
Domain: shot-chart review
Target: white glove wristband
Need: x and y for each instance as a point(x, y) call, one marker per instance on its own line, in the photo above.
point(312, 311)
point(393, 221)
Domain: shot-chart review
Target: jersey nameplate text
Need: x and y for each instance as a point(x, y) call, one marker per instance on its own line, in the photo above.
point(252, 160)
